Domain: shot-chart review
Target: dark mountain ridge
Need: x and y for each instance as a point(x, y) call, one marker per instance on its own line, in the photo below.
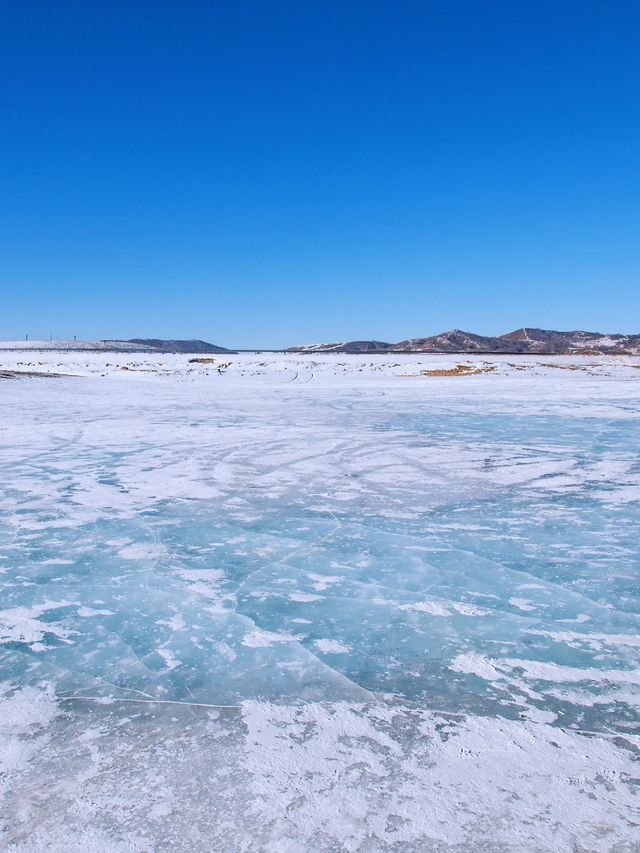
point(159, 345)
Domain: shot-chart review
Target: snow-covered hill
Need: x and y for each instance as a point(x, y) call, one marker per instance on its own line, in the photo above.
point(523, 340)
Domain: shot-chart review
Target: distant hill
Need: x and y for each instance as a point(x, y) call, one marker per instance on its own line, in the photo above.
point(348, 347)
point(453, 341)
point(175, 346)
point(525, 340)
point(133, 345)
point(540, 340)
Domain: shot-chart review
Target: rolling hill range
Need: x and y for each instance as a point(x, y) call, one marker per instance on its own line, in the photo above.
point(535, 341)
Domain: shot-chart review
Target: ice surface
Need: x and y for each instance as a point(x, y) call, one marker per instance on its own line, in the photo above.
point(328, 604)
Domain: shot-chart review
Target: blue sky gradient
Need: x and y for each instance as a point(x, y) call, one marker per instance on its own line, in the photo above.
point(270, 173)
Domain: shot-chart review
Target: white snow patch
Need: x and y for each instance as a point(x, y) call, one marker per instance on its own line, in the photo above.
point(332, 647)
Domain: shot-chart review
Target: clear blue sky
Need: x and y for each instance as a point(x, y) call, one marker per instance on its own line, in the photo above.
point(269, 173)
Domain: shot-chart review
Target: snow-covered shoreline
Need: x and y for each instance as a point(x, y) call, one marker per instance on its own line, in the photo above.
point(309, 366)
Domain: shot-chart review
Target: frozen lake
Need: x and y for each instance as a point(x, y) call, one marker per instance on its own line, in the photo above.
point(330, 603)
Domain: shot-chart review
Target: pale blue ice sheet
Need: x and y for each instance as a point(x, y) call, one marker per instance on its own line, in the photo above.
point(346, 620)
point(500, 571)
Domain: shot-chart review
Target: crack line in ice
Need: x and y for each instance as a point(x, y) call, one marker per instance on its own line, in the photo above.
point(109, 700)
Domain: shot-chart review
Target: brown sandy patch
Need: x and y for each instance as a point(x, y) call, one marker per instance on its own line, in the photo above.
point(459, 370)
